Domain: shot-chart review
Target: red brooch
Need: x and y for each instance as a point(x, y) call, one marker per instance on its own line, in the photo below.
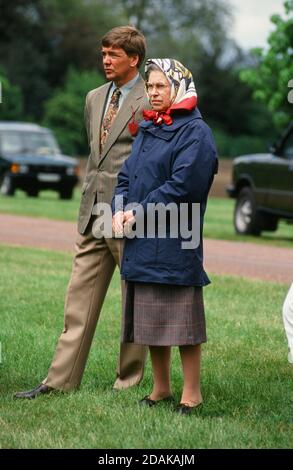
point(133, 125)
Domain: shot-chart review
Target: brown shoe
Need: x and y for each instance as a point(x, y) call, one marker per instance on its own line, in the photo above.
point(30, 394)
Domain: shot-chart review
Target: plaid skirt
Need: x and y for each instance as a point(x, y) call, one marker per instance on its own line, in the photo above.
point(163, 315)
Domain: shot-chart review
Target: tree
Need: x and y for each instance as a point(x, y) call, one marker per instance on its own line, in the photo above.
point(195, 33)
point(273, 70)
point(11, 107)
point(46, 38)
point(42, 39)
point(64, 111)
point(23, 51)
point(186, 29)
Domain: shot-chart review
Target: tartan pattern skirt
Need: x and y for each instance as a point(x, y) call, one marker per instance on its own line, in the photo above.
point(163, 315)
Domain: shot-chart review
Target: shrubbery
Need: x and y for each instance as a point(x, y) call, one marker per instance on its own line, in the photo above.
point(230, 146)
point(11, 107)
point(64, 112)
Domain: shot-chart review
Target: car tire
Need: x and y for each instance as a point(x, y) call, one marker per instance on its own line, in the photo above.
point(66, 193)
point(247, 219)
point(32, 192)
point(7, 187)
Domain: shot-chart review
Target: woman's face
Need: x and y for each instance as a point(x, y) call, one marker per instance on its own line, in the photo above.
point(159, 91)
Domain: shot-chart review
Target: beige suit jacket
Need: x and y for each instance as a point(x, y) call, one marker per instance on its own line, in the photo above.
point(102, 168)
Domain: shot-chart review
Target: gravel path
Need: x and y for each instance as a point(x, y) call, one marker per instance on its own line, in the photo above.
point(221, 257)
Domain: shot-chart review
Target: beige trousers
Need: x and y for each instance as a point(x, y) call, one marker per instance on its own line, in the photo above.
point(93, 268)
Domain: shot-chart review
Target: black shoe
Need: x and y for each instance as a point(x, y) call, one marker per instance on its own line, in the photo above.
point(30, 394)
point(184, 409)
point(147, 401)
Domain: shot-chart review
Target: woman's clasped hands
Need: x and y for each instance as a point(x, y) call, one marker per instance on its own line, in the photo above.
point(122, 223)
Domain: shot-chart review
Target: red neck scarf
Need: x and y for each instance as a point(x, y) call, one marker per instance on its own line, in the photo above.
point(158, 117)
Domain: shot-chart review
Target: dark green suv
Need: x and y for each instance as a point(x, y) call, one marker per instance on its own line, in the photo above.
point(262, 185)
point(30, 159)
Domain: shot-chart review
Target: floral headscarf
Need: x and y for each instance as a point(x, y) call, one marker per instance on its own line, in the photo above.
point(183, 93)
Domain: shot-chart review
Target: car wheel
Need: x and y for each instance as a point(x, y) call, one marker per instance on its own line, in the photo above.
point(32, 192)
point(7, 187)
point(66, 193)
point(247, 220)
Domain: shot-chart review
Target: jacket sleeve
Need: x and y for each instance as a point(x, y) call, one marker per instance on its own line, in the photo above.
point(194, 166)
point(120, 197)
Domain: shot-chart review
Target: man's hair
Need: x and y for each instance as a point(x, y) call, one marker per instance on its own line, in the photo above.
point(128, 38)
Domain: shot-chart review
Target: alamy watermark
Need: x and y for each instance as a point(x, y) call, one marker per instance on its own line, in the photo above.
point(157, 221)
point(290, 94)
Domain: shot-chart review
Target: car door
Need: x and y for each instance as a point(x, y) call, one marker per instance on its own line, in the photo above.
point(280, 189)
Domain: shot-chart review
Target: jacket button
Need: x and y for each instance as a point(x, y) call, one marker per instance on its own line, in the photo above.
point(135, 176)
point(127, 259)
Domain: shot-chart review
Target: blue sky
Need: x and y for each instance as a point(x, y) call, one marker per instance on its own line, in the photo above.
point(252, 21)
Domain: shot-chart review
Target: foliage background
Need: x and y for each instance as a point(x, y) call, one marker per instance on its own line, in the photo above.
point(49, 60)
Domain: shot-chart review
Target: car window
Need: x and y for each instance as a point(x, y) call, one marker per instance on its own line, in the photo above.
point(36, 143)
point(11, 142)
point(287, 150)
point(40, 143)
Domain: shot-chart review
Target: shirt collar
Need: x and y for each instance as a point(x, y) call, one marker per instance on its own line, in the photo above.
point(125, 89)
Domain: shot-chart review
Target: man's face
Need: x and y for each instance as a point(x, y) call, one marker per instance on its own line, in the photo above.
point(118, 66)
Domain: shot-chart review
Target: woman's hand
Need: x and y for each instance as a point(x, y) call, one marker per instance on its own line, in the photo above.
point(129, 220)
point(129, 217)
point(117, 224)
point(122, 223)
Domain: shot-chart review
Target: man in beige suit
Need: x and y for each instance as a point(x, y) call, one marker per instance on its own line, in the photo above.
point(109, 110)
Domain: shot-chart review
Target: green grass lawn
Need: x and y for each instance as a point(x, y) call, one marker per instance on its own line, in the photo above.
point(246, 380)
point(218, 221)
point(47, 205)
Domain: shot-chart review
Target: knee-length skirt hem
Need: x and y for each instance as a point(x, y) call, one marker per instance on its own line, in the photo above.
point(163, 315)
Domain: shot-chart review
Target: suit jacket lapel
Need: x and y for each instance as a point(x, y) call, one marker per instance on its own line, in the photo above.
point(130, 105)
point(98, 106)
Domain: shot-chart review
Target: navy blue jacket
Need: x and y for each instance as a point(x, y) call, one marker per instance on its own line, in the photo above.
point(174, 163)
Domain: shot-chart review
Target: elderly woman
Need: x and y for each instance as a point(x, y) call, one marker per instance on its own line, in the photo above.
point(173, 160)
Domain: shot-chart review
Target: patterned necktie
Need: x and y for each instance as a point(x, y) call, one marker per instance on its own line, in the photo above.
point(110, 116)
